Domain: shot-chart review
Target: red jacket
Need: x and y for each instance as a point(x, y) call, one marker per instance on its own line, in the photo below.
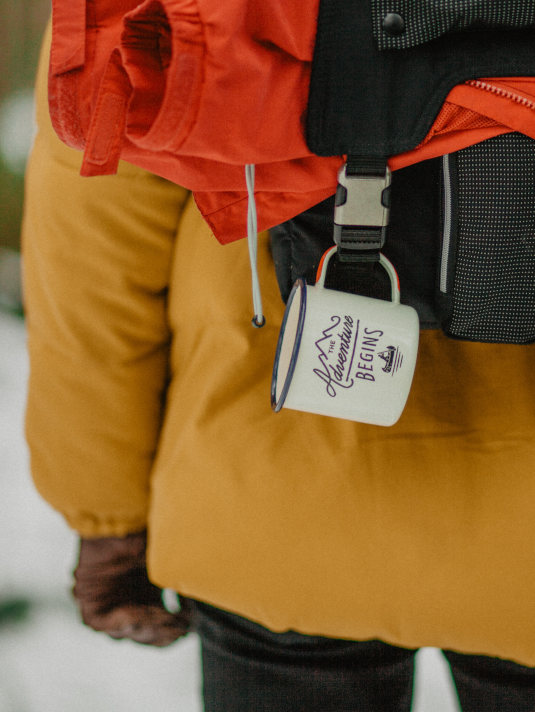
point(193, 90)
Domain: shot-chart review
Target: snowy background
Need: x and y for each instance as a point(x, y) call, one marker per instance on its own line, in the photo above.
point(49, 662)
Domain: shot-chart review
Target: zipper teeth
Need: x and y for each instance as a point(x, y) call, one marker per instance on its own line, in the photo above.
point(446, 235)
point(500, 91)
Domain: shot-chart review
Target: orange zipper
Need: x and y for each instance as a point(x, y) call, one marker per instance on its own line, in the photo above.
point(501, 91)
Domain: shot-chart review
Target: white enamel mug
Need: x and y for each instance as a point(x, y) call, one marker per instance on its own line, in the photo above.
point(345, 355)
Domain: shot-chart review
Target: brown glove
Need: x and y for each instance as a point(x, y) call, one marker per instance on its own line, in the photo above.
point(115, 595)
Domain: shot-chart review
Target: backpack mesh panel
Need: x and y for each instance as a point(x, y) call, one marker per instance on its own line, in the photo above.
point(494, 282)
point(425, 20)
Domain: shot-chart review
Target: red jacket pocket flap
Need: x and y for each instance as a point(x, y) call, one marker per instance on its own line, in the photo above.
point(68, 35)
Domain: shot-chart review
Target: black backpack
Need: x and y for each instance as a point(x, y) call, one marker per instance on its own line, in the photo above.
point(460, 229)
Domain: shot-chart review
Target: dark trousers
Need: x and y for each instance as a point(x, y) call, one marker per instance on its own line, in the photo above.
point(247, 668)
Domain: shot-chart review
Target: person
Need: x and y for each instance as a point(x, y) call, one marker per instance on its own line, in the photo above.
point(312, 556)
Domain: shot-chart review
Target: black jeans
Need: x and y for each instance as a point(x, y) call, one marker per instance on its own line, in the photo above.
point(247, 668)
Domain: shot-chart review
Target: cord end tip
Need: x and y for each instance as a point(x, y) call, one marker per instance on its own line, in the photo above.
point(258, 321)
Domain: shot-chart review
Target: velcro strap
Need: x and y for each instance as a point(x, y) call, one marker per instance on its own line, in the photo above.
point(107, 128)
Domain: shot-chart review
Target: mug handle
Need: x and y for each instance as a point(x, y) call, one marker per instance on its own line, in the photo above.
point(385, 262)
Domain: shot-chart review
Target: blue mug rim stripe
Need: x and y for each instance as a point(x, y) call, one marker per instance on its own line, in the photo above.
point(299, 285)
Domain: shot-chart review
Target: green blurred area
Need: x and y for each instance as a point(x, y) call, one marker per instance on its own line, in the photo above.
point(21, 28)
point(11, 191)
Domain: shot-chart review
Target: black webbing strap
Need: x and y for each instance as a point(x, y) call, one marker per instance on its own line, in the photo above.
point(361, 208)
point(365, 166)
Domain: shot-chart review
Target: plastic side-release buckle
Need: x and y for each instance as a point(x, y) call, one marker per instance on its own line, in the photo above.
point(361, 210)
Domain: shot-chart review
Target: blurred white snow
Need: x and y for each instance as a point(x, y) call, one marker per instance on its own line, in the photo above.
point(17, 128)
point(50, 662)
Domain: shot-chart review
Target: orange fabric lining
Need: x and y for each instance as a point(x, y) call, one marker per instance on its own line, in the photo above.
point(472, 114)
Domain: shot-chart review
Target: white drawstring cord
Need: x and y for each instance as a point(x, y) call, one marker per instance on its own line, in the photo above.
point(252, 240)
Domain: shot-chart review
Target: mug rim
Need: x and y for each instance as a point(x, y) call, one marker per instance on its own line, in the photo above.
point(299, 285)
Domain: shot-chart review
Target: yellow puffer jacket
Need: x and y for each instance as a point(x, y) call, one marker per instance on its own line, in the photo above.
point(149, 406)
